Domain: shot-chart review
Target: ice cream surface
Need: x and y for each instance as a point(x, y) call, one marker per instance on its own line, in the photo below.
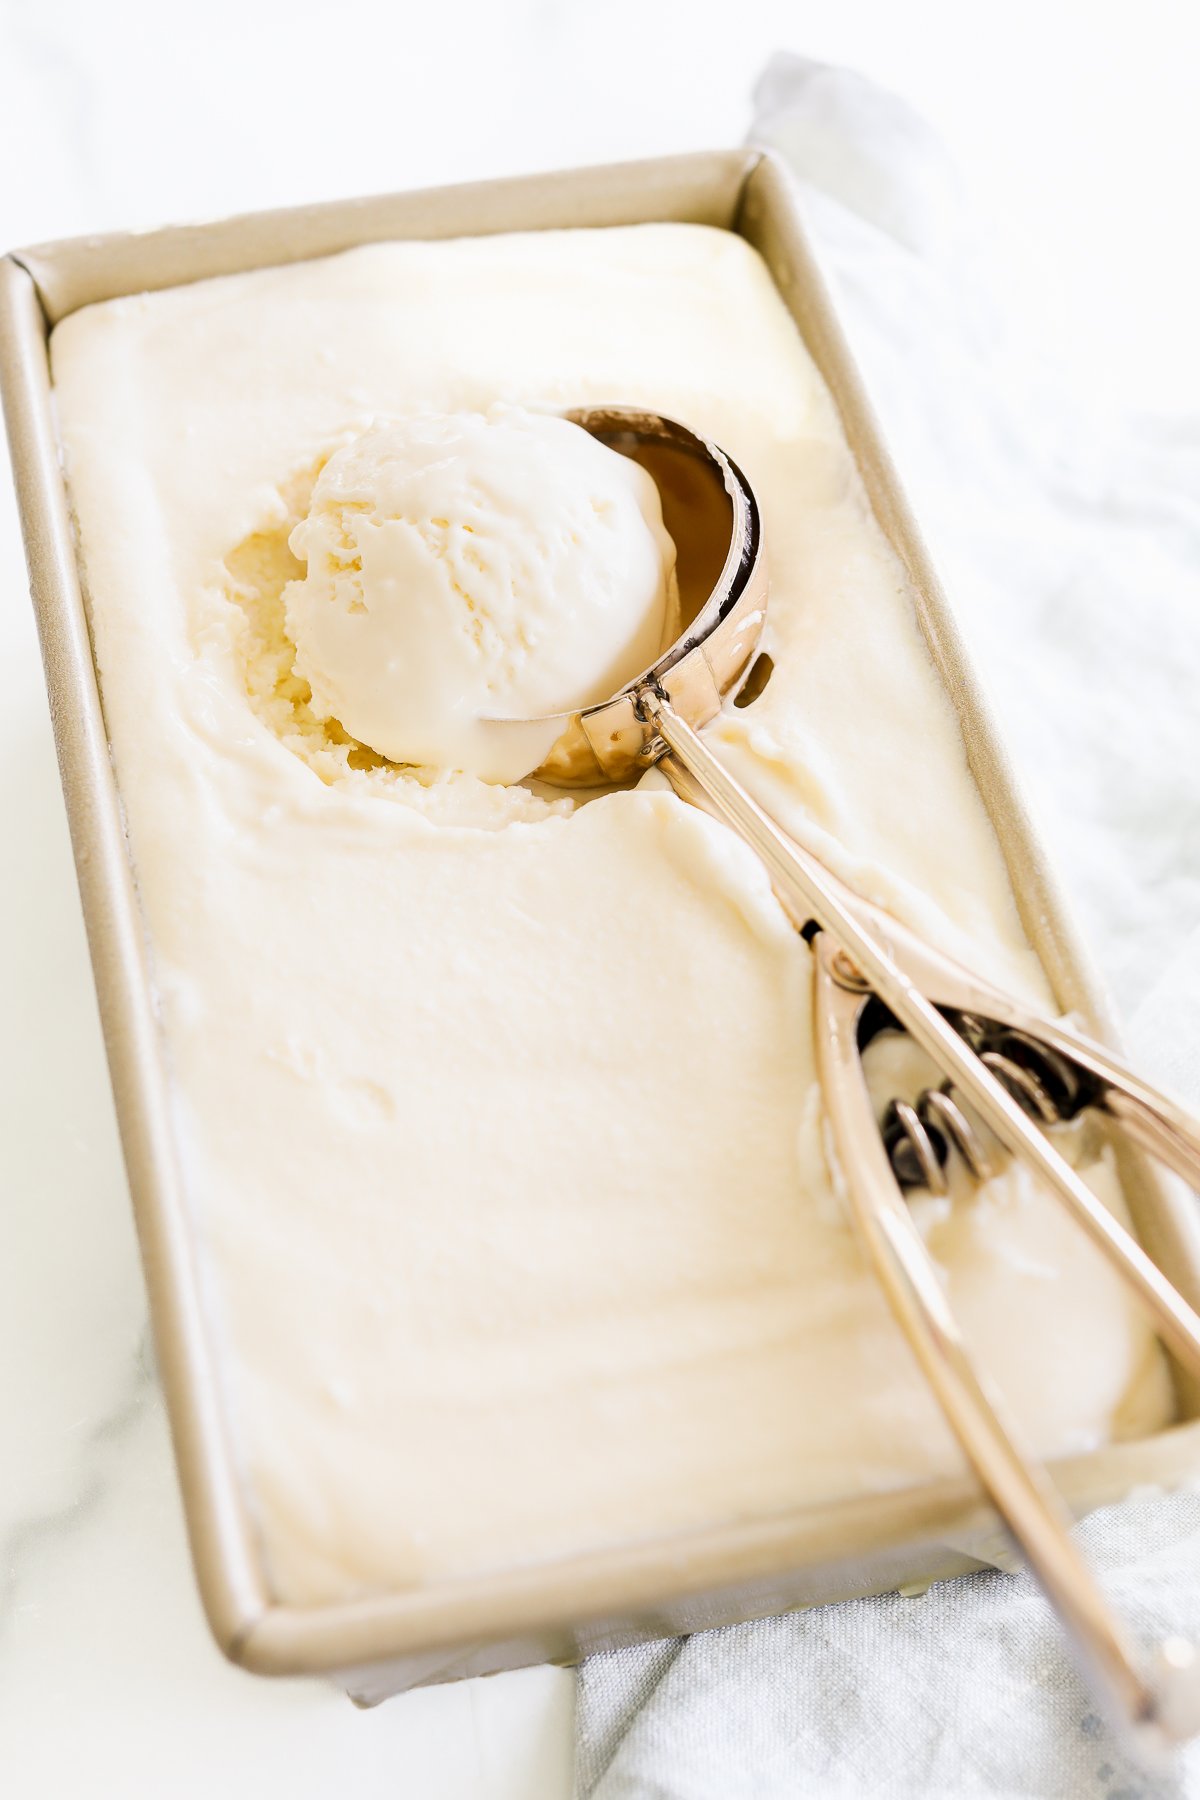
point(473, 566)
point(498, 1114)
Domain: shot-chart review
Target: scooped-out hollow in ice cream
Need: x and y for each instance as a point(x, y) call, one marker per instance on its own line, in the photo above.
point(469, 566)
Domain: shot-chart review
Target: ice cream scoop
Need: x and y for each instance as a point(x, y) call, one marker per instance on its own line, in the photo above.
point(472, 564)
point(989, 1047)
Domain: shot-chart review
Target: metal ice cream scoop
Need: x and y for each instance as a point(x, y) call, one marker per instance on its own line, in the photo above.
point(996, 1054)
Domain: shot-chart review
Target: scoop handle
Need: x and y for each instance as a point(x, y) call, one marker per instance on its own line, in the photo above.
point(809, 894)
point(1153, 1709)
point(853, 963)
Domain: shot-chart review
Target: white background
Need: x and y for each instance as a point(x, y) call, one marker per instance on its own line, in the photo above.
point(1077, 130)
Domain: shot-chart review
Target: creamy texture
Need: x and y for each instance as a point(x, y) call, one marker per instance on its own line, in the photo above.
point(475, 566)
point(499, 1114)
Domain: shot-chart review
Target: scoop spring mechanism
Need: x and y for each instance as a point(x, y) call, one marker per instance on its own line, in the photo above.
point(920, 1136)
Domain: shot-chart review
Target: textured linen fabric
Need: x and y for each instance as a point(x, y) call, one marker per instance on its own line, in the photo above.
point(964, 1691)
point(1070, 545)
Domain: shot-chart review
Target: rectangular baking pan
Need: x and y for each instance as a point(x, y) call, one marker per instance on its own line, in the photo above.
point(555, 1611)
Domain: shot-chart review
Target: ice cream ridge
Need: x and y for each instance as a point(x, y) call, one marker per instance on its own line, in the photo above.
point(496, 1104)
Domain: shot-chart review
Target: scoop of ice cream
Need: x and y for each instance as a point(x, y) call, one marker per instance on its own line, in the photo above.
point(470, 566)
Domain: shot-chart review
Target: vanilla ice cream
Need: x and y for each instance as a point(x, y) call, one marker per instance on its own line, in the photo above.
point(471, 566)
point(498, 1113)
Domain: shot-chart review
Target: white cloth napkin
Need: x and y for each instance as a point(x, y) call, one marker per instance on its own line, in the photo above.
point(1070, 546)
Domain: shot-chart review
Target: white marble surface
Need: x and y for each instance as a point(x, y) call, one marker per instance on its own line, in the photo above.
point(1075, 127)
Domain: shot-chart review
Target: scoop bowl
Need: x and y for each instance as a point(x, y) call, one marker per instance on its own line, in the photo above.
point(711, 512)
